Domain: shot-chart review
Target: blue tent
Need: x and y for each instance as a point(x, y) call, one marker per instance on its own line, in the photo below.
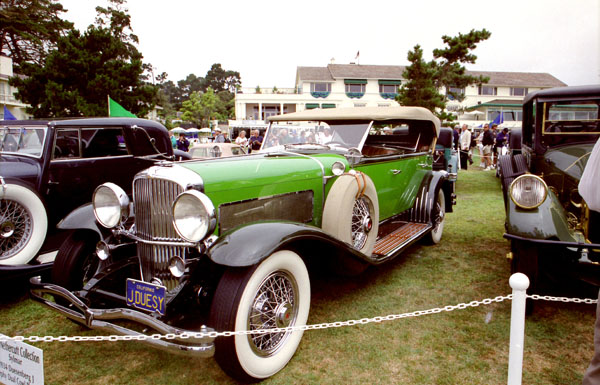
point(8, 115)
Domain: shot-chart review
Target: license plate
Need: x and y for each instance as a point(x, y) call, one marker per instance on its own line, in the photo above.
point(146, 296)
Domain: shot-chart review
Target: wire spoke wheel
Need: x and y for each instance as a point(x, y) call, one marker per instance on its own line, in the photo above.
point(361, 222)
point(16, 227)
point(275, 306)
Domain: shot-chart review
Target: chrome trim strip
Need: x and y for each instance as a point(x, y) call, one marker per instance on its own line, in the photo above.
point(97, 319)
point(160, 243)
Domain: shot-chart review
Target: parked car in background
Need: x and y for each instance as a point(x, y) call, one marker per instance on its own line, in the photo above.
point(549, 225)
point(445, 158)
point(223, 244)
point(215, 150)
point(49, 168)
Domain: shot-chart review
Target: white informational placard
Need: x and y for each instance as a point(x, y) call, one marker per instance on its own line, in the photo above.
point(20, 363)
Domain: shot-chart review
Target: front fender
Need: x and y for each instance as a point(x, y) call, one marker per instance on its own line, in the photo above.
point(250, 244)
point(82, 218)
point(548, 221)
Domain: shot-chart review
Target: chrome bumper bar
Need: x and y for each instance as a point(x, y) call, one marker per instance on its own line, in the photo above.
point(99, 319)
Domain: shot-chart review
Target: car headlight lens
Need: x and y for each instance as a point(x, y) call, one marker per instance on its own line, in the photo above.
point(193, 215)
point(338, 168)
point(111, 205)
point(528, 191)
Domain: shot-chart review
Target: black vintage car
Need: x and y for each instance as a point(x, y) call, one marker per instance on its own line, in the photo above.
point(549, 225)
point(49, 168)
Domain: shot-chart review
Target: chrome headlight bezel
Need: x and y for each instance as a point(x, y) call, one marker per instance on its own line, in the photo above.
point(111, 205)
point(194, 216)
point(528, 191)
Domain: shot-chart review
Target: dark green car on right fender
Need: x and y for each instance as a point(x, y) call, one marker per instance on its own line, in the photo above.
point(549, 225)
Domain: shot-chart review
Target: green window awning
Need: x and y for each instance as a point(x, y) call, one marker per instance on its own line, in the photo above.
point(310, 106)
point(355, 81)
point(327, 105)
point(390, 82)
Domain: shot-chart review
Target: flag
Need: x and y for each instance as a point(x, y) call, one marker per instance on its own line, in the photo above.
point(116, 110)
point(8, 115)
point(499, 119)
point(357, 54)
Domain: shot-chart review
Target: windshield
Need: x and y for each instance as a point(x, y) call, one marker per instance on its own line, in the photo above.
point(570, 121)
point(22, 140)
point(333, 134)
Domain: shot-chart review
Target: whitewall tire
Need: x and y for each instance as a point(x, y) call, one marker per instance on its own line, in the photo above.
point(438, 217)
point(23, 225)
point(274, 293)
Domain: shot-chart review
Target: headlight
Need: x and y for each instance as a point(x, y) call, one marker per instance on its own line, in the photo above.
point(338, 168)
point(111, 205)
point(193, 215)
point(528, 191)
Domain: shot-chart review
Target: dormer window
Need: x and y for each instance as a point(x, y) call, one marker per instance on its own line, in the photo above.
point(355, 88)
point(320, 90)
point(388, 89)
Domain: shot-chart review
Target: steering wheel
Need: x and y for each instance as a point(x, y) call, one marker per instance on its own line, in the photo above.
point(337, 142)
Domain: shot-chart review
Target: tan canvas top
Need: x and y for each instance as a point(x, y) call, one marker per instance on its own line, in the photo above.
point(379, 114)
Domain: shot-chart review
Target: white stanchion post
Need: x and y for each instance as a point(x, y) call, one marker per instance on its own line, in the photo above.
point(519, 283)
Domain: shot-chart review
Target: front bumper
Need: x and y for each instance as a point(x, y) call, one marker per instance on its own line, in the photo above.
point(100, 319)
point(584, 249)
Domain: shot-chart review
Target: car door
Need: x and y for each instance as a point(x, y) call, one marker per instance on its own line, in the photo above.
point(83, 158)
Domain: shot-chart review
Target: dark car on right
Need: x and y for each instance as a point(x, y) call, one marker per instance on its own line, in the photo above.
point(549, 225)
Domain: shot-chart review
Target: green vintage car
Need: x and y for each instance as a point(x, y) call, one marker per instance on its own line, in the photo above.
point(549, 225)
point(223, 244)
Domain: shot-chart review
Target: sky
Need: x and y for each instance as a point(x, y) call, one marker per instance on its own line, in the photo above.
point(266, 40)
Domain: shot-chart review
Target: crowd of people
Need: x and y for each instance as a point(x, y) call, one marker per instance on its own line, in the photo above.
point(490, 142)
point(252, 143)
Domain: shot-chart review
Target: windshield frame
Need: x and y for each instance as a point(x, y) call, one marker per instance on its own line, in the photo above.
point(21, 133)
point(268, 145)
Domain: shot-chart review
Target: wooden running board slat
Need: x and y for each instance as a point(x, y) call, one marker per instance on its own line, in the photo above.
point(398, 237)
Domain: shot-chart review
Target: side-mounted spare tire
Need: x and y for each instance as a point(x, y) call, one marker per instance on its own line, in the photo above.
point(23, 224)
point(351, 212)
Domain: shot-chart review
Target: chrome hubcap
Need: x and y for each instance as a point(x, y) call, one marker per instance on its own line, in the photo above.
point(275, 306)
point(16, 228)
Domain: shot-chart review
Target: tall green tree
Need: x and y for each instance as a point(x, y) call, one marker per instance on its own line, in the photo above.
point(420, 88)
point(221, 80)
point(446, 70)
point(85, 68)
point(30, 28)
point(201, 108)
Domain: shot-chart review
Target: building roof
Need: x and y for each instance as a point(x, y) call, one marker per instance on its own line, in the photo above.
point(519, 79)
point(393, 72)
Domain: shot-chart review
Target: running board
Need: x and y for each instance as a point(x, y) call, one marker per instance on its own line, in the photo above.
point(403, 236)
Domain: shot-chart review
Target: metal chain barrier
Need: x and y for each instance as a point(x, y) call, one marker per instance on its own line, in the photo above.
point(326, 325)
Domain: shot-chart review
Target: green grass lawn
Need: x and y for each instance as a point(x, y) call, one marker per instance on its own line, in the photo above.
point(467, 346)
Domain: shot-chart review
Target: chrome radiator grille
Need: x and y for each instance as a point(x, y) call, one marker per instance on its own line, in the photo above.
point(153, 198)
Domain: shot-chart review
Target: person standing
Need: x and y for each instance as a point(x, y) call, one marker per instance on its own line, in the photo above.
point(487, 142)
point(455, 137)
point(255, 141)
point(241, 140)
point(182, 143)
point(465, 145)
point(219, 138)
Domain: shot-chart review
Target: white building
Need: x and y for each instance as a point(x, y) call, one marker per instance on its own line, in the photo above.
point(7, 93)
point(354, 85)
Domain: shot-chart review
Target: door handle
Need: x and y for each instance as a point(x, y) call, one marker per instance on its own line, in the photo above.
point(396, 172)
